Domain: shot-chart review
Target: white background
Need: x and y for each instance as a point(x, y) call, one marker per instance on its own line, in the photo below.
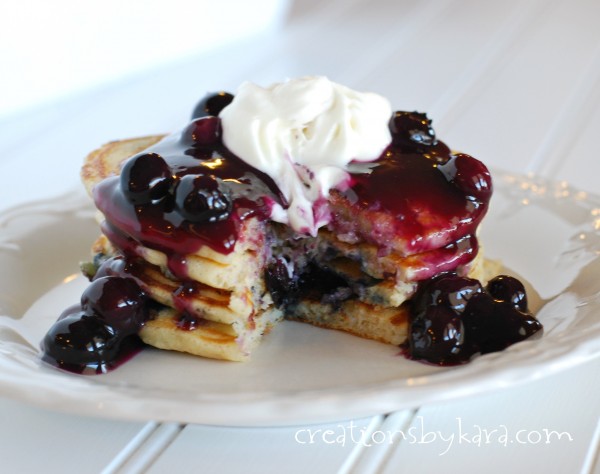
point(53, 49)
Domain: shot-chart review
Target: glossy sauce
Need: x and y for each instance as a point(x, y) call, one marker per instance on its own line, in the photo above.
point(159, 225)
point(427, 208)
point(453, 318)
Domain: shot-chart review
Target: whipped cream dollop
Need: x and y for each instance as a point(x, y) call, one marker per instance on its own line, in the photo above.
point(305, 133)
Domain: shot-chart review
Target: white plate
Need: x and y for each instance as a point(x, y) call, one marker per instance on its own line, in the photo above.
point(546, 232)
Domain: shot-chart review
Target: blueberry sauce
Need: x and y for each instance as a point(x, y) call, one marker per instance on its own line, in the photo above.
point(190, 191)
point(454, 318)
point(101, 333)
point(416, 197)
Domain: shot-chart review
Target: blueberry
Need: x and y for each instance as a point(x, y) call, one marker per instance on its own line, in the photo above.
point(202, 198)
point(495, 324)
point(508, 289)
point(470, 175)
point(80, 343)
point(448, 290)
point(281, 284)
point(412, 129)
point(146, 178)
point(212, 104)
point(438, 336)
point(502, 327)
point(202, 132)
point(118, 302)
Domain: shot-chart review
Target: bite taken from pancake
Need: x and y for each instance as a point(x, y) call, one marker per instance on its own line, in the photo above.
point(306, 201)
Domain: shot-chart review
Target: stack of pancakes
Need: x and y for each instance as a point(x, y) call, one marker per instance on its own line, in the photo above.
point(346, 277)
